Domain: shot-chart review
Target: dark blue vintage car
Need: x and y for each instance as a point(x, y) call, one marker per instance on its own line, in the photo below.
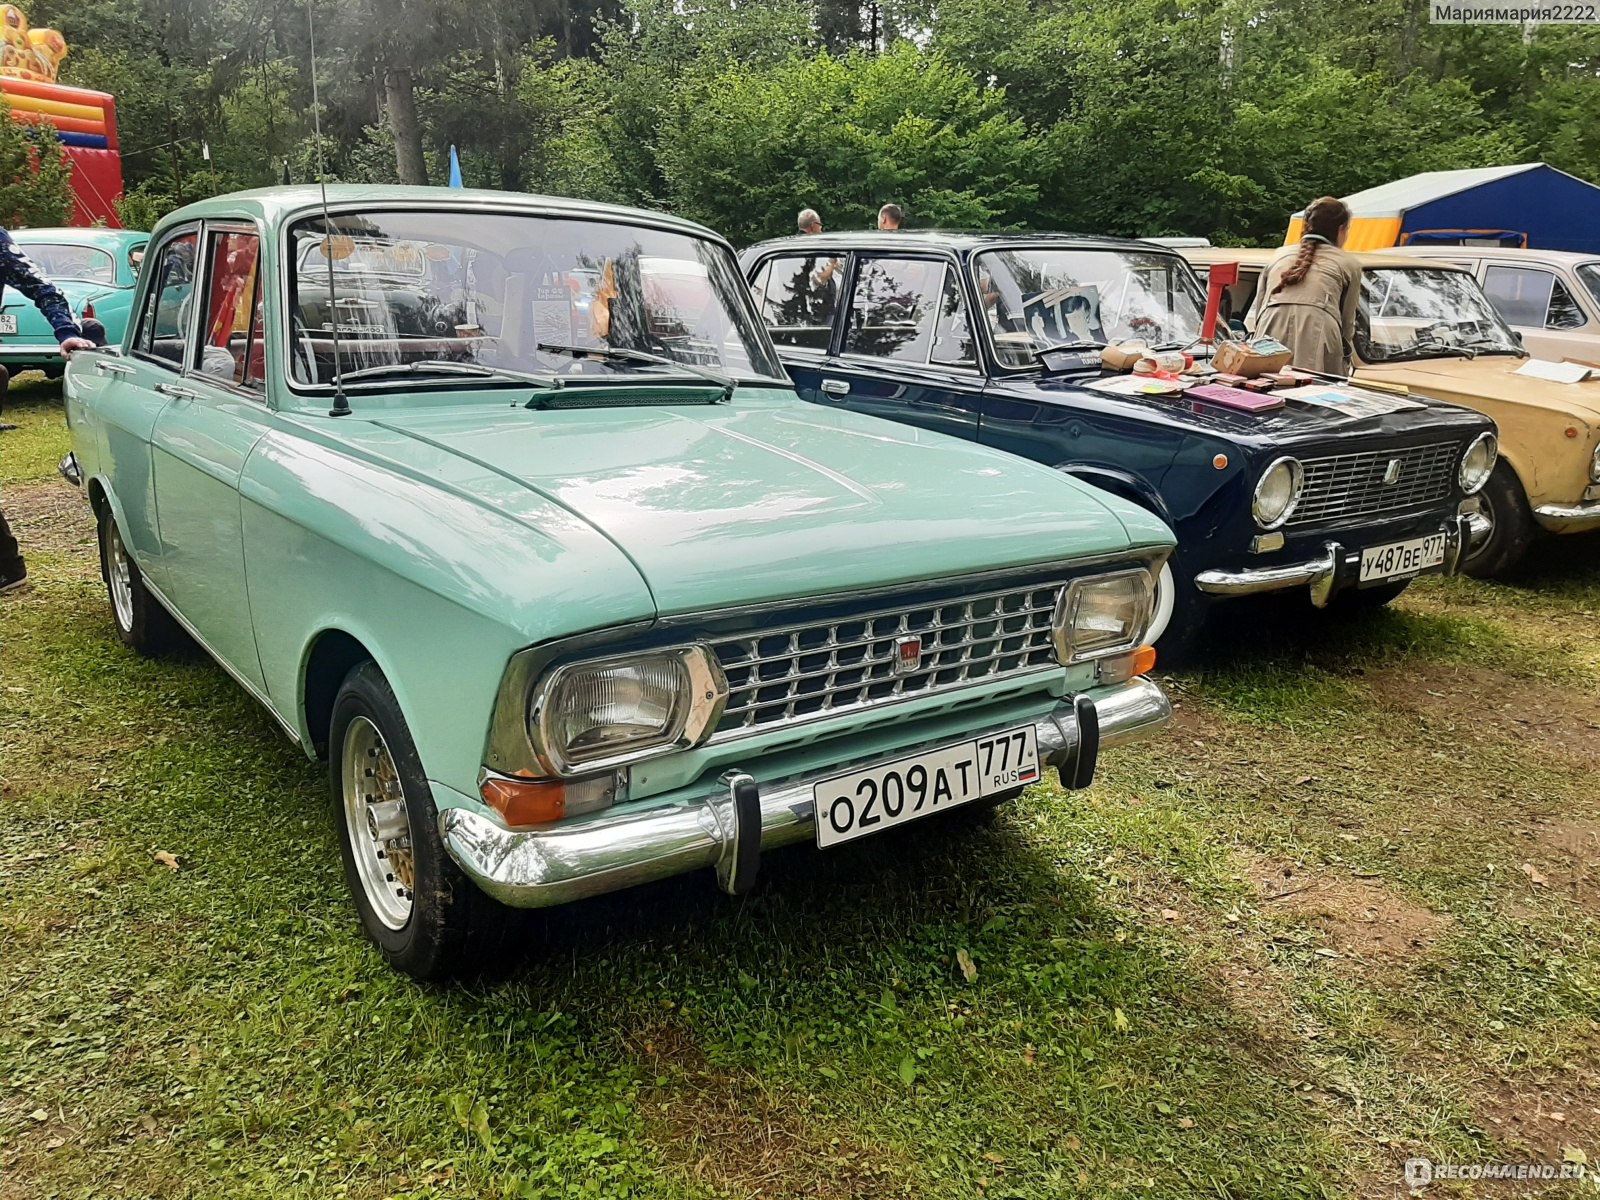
point(1347, 502)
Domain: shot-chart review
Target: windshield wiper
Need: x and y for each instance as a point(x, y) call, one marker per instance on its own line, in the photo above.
point(1496, 346)
point(441, 367)
point(642, 358)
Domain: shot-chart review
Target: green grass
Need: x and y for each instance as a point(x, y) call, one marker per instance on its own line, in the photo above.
point(1144, 1020)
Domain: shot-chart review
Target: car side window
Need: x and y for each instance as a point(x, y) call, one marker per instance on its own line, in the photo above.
point(231, 345)
point(894, 308)
point(798, 298)
point(1521, 294)
point(953, 344)
point(164, 323)
point(1564, 311)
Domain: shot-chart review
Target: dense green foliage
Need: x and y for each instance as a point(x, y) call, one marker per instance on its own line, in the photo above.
point(33, 176)
point(1140, 116)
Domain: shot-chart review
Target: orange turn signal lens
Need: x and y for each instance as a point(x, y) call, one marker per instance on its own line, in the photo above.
point(525, 801)
point(1144, 661)
point(1220, 462)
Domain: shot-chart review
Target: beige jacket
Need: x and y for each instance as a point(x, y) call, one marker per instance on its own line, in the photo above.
point(1316, 318)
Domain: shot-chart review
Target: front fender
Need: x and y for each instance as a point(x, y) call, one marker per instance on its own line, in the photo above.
point(1120, 483)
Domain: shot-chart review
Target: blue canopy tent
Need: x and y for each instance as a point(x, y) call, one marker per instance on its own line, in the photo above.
point(1528, 204)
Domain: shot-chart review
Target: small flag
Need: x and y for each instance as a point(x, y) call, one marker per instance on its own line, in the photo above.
point(455, 169)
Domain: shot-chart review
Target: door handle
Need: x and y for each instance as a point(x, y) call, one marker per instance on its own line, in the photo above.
point(107, 367)
point(836, 387)
point(178, 392)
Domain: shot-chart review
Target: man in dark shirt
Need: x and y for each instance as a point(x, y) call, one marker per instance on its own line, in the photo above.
point(16, 271)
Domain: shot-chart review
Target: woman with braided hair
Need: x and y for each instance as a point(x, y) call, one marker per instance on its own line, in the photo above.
point(1309, 293)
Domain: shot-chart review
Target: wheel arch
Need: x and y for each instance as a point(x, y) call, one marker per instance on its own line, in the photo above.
point(330, 657)
point(1120, 483)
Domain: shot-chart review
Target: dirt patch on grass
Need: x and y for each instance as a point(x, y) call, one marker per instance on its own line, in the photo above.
point(1480, 703)
point(734, 1136)
point(1563, 859)
point(49, 516)
point(1361, 918)
point(1540, 1123)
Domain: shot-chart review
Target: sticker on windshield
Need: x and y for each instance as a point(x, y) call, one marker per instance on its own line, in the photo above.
point(1063, 314)
point(552, 320)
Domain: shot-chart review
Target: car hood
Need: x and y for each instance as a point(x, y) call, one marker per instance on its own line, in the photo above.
point(1492, 379)
point(768, 499)
point(1296, 421)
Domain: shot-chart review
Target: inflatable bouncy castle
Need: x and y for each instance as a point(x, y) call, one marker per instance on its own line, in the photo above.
point(85, 122)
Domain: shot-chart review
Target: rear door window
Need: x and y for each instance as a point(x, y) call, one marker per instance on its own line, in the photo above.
point(798, 297)
point(165, 320)
point(1520, 293)
point(894, 307)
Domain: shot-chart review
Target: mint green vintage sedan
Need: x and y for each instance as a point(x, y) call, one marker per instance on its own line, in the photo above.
point(505, 506)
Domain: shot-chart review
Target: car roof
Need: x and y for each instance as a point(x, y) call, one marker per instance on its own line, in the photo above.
point(65, 235)
point(886, 240)
point(1206, 256)
point(1569, 258)
point(275, 203)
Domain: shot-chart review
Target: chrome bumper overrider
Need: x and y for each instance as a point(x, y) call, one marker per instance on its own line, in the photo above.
point(1568, 518)
point(1335, 568)
point(534, 868)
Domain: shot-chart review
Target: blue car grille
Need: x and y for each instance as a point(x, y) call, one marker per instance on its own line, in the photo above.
point(795, 673)
point(1343, 487)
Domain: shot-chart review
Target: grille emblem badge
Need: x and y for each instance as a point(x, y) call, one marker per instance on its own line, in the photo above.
point(907, 654)
point(1392, 474)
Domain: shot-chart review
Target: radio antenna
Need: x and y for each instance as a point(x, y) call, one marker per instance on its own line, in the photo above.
point(341, 404)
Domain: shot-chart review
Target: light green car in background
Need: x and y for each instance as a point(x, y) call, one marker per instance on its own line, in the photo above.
point(95, 269)
point(505, 506)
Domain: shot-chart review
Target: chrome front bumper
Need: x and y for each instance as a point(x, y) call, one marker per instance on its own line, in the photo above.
point(1335, 568)
point(728, 826)
point(1568, 518)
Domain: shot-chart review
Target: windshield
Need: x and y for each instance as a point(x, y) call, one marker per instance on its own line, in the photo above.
point(1590, 274)
point(56, 261)
point(1423, 312)
point(1040, 297)
point(517, 293)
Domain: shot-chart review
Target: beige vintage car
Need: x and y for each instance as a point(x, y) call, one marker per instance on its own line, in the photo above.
point(1550, 297)
point(1428, 325)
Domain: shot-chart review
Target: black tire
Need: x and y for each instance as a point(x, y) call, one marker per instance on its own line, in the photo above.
point(1189, 609)
point(451, 927)
point(1512, 527)
point(140, 621)
point(1367, 599)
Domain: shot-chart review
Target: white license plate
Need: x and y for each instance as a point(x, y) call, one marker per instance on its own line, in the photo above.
point(8, 323)
point(863, 802)
point(1402, 558)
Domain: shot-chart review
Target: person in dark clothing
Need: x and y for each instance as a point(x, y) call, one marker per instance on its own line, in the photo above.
point(17, 271)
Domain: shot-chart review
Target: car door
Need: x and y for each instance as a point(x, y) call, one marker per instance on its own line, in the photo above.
point(202, 438)
point(132, 389)
point(1543, 310)
point(906, 349)
point(797, 296)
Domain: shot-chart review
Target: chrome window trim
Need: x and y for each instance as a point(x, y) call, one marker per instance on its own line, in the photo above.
point(507, 207)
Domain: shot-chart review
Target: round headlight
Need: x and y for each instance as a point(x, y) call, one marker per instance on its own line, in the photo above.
point(1594, 465)
point(1278, 492)
point(1478, 462)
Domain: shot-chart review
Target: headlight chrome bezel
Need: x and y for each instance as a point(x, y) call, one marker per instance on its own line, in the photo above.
point(1068, 652)
point(706, 690)
point(1594, 464)
point(1297, 486)
point(1468, 486)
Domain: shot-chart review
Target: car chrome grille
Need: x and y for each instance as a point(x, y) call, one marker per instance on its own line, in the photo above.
point(1368, 484)
point(795, 673)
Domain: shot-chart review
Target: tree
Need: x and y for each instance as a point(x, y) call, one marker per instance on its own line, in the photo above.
point(752, 145)
point(35, 177)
